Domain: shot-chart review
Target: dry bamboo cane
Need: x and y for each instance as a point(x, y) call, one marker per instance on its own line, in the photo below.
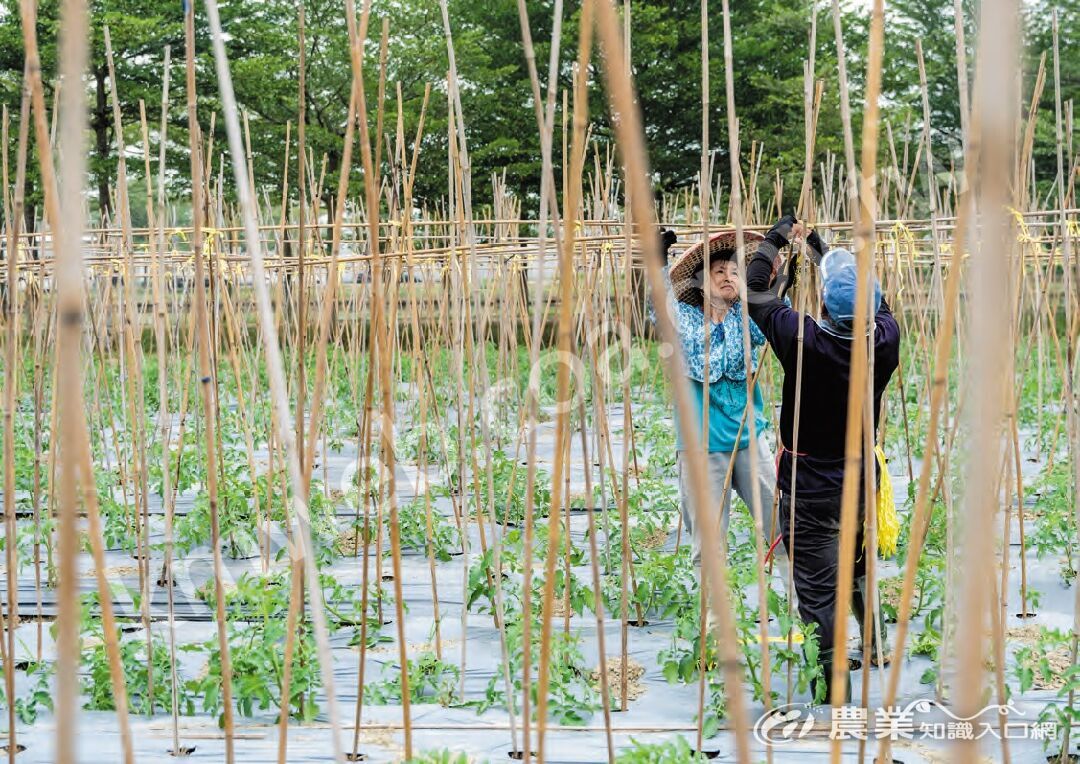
point(548, 203)
point(631, 144)
point(562, 396)
point(207, 385)
point(305, 455)
point(755, 492)
point(599, 396)
point(161, 330)
point(1070, 395)
point(386, 430)
point(811, 109)
point(961, 72)
point(11, 381)
point(133, 375)
point(296, 590)
point(851, 185)
point(42, 324)
point(72, 416)
point(937, 288)
point(993, 98)
point(704, 437)
point(272, 351)
point(858, 377)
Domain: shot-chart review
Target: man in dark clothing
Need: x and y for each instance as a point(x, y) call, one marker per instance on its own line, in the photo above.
point(826, 364)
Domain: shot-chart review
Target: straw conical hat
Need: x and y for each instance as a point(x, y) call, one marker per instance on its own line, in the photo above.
point(685, 273)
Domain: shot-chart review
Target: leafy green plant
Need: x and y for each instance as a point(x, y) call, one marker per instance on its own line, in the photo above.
point(236, 514)
point(1055, 525)
point(676, 751)
point(37, 697)
point(430, 679)
point(572, 698)
point(257, 654)
point(509, 481)
point(665, 585)
point(413, 529)
point(445, 756)
point(97, 684)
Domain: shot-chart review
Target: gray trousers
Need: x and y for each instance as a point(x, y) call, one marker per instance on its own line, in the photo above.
point(742, 480)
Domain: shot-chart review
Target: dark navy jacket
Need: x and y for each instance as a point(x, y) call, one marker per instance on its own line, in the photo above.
point(825, 380)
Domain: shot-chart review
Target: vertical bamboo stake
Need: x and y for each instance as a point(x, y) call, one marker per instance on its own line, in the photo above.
point(301, 185)
point(71, 413)
point(207, 385)
point(382, 334)
point(631, 143)
point(864, 242)
point(851, 186)
point(11, 381)
point(1070, 395)
point(755, 492)
point(562, 434)
point(160, 330)
point(961, 71)
point(545, 124)
point(272, 352)
point(995, 95)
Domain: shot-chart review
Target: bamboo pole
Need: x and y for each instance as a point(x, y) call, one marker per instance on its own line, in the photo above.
point(11, 381)
point(71, 414)
point(207, 385)
point(631, 143)
point(562, 395)
point(864, 244)
point(755, 492)
point(272, 351)
point(994, 95)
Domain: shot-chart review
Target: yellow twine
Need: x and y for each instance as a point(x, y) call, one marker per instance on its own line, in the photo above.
point(888, 523)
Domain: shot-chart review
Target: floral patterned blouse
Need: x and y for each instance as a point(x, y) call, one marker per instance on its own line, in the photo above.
point(727, 368)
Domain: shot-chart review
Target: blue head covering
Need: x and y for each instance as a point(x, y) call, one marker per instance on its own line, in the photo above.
point(839, 291)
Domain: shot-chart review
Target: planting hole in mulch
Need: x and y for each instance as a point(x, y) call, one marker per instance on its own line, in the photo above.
point(19, 748)
point(854, 664)
point(1072, 758)
point(1029, 614)
point(388, 577)
point(350, 756)
point(516, 755)
point(708, 754)
point(636, 622)
point(184, 750)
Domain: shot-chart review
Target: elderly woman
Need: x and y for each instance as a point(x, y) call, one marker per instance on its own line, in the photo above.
point(728, 445)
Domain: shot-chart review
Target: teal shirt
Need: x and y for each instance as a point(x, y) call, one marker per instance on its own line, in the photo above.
point(727, 399)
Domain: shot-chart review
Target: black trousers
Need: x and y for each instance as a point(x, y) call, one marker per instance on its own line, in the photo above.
point(815, 559)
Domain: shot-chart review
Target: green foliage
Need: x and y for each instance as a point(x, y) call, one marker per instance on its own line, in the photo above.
point(97, 683)
point(257, 653)
point(413, 519)
point(444, 756)
point(1055, 519)
point(509, 483)
point(665, 586)
point(430, 680)
point(674, 751)
point(37, 697)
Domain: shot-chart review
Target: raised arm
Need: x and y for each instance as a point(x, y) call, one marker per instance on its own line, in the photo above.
point(776, 320)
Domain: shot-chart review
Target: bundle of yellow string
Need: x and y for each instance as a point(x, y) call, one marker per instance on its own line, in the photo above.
point(888, 523)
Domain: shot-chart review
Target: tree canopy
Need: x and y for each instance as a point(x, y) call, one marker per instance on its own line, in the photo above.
point(770, 39)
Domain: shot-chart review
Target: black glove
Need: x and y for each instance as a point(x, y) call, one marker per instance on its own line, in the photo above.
point(667, 238)
point(780, 234)
point(815, 246)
